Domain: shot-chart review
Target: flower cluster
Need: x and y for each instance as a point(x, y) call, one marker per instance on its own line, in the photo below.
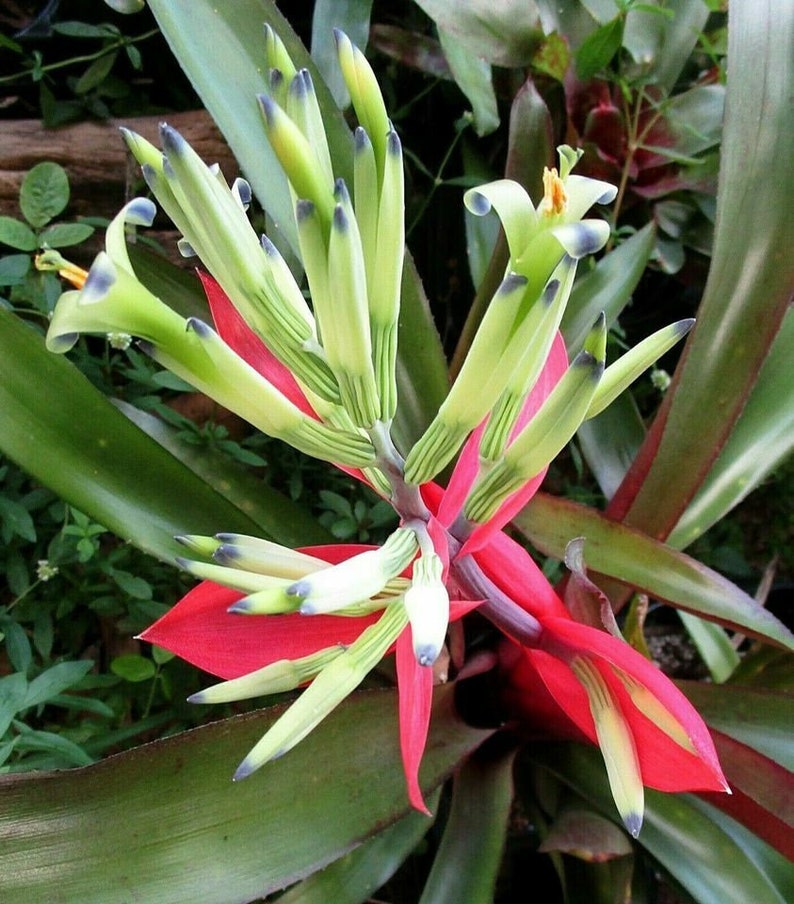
point(268, 619)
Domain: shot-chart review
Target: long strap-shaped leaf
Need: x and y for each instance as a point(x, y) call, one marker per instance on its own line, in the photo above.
point(166, 823)
point(751, 277)
point(630, 556)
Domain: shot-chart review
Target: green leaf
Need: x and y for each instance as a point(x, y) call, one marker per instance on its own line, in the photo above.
point(13, 689)
point(276, 515)
point(134, 668)
point(662, 44)
point(13, 269)
point(55, 679)
point(74, 441)
point(16, 520)
point(714, 646)
point(467, 862)
point(742, 308)
point(502, 34)
point(96, 73)
point(630, 556)
point(724, 862)
point(16, 644)
point(17, 234)
point(761, 440)
point(355, 877)
point(75, 29)
point(44, 193)
point(759, 718)
point(473, 76)
point(55, 751)
point(610, 441)
point(598, 49)
point(62, 235)
point(182, 813)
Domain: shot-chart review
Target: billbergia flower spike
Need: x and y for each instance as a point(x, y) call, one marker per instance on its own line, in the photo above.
point(321, 376)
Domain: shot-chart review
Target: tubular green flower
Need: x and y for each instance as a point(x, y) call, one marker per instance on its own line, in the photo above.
point(348, 344)
point(341, 676)
point(112, 300)
point(366, 96)
point(546, 434)
point(539, 241)
point(213, 222)
point(358, 578)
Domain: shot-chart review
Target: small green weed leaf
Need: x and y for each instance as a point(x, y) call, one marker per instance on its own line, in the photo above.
point(96, 73)
point(16, 521)
point(598, 49)
point(13, 269)
point(55, 679)
point(44, 193)
point(17, 234)
point(126, 6)
point(161, 655)
point(133, 585)
point(17, 644)
point(62, 752)
point(133, 668)
point(62, 235)
point(85, 29)
point(13, 689)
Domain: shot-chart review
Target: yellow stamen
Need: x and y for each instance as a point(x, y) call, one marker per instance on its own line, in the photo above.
point(52, 260)
point(554, 197)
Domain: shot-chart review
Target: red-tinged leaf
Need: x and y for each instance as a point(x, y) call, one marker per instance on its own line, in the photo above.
point(630, 556)
point(763, 793)
point(742, 308)
point(415, 685)
point(165, 822)
point(410, 48)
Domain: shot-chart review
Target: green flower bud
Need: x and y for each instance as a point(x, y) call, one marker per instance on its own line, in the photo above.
point(545, 435)
point(276, 678)
point(620, 375)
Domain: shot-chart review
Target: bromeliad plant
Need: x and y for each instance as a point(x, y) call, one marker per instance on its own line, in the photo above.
point(323, 378)
point(356, 377)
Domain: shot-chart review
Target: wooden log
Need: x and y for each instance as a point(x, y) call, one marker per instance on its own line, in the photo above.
point(102, 173)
